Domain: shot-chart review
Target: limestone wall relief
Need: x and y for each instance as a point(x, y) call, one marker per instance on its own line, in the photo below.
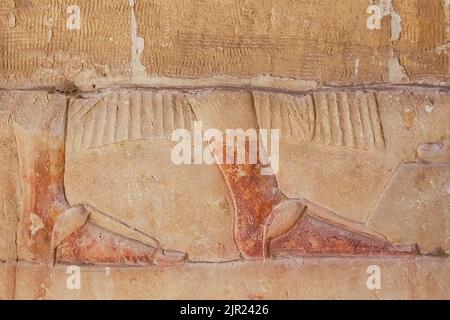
point(312, 140)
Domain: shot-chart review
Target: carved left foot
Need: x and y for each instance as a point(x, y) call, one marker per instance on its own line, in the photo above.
point(92, 244)
point(83, 234)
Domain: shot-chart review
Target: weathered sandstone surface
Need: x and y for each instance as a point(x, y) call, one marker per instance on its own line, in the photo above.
point(355, 172)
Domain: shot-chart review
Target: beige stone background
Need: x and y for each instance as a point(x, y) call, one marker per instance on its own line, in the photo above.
point(235, 62)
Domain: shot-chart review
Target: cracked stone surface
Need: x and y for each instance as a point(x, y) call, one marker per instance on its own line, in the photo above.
point(230, 43)
point(89, 115)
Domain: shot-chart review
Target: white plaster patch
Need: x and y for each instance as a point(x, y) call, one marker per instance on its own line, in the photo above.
point(397, 73)
point(357, 67)
point(36, 223)
point(446, 45)
point(137, 47)
point(387, 9)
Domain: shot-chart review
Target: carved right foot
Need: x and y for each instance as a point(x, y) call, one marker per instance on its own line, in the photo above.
point(315, 234)
point(267, 222)
point(282, 218)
